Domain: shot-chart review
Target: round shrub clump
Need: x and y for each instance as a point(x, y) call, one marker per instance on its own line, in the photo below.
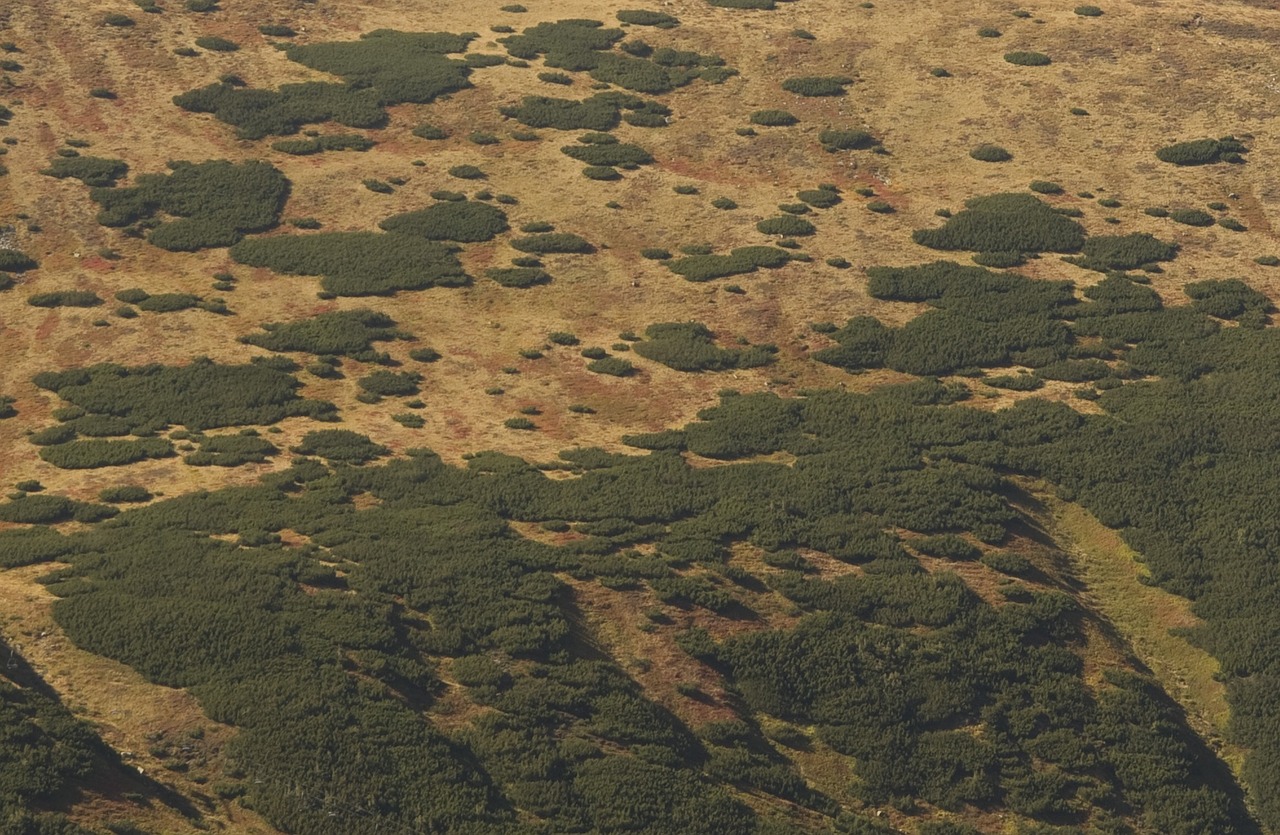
point(1191, 217)
point(999, 260)
point(1267, 260)
point(990, 153)
point(215, 44)
point(989, 32)
point(654, 253)
point(601, 172)
point(1045, 187)
point(773, 118)
point(1088, 11)
point(787, 225)
point(1028, 59)
point(117, 19)
point(466, 172)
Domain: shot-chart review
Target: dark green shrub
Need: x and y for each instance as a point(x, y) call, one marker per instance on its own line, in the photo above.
point(724, 204)
point(990, 153)
point(348, 333)
point(13, 261)
point(1201, 151)
point(356, 263)
point(425, 131)
point(1075, 371)
point(594, 353)
point(1015, 382)
point(65, 298)
point(1229, 299)
point(519, 277)
point(846, 140)
point(102, 93)
point(1109, 203)
point(1263, 260)
point(819, 198)
point(1123, 252)
point(773, 118)
point(613, 366)
point(466, 172)
point(1079, 111)
point(1191, 217)
point(555, 78)
point(880, 207)
point(640, 17)
point(553, 242)
point(202, 6)
point(812, 86)
point(596, 113)
point(125, 493)
point(340, 445)
point(202, 395)
point(989, 32)
point(604, 173)
point(462, 221)
point(519, 423)
point(690, 346)
point(939, 72)
point(409, 420)
point(685, 189)
point(117, 19)
point(276, 30)
point(391, 383)
point(216, 44)
point(424, 355)
point(786, 225)
point(1045, 187)
point(92, 171)
point(1088, 11)
point(763, 5)
point(1005, 223)
point(377, 186)
point(215, 203)
point(999, 260)
point(1027, 59)
point(655, 254)
point(738, 262)
point(610, 154)
point(480, 137)
point(92, 454)
point(1232, 224)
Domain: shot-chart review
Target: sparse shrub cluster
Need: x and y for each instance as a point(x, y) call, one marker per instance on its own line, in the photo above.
point(348, 333)
point(690, 346)
point(740, 261)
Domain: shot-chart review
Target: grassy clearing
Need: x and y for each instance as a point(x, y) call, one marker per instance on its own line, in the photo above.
point(1146, 617)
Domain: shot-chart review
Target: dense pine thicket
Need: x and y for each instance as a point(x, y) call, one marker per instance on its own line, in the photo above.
point(323, 654)
point(382, 68)
point(1005, 223)
point(1203, 151)
point(202, 395)
point(465, 221)
point(357, 263)
point(348, 333)
point(215, 203)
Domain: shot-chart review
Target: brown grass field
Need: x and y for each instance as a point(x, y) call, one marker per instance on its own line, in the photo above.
point(1147, 72)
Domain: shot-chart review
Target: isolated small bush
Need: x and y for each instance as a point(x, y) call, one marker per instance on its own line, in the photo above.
point(1088, 11)
point(216, 44)
point(1028, 59)
point(990, 153)
point(787, 225)
point(814, 86)
point(773, 118)
point(1191, 217)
